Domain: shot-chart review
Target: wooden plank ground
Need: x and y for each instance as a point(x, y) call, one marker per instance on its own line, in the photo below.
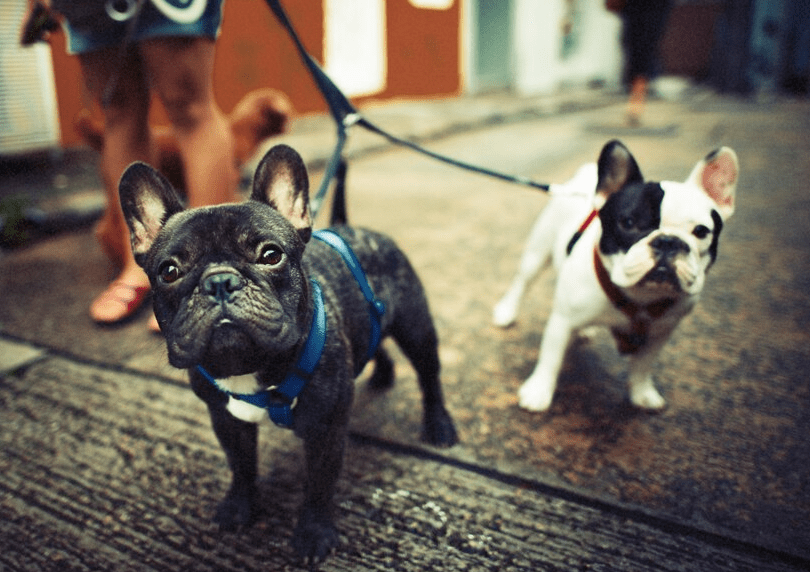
point(729, 453)
point(111, 470)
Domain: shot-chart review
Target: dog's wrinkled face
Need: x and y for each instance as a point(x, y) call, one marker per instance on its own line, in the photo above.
point(229, 291)
point(659, 239)
point(228, 287)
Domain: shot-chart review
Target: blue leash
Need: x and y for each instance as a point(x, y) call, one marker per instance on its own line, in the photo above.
point(280, 400)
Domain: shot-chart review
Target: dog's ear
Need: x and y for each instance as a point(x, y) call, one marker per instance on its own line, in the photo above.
point(717, 175)
point(616, 168)
point(281, 181)
point(147, 200)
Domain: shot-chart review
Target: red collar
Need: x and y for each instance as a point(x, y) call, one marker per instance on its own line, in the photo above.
point(640, 316)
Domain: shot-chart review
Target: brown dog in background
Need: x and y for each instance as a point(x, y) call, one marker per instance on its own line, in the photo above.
point(260, 114)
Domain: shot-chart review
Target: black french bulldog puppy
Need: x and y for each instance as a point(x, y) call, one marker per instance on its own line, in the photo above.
point(271, 323)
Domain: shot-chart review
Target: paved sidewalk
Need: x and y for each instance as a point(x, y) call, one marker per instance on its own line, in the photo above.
point(109, 461)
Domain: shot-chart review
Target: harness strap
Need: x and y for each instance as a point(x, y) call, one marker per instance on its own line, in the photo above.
point(376, 308)
point(280, 400)
point(639, 315)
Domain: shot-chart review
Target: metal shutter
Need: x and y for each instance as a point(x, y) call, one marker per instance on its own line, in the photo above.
point(28, 112)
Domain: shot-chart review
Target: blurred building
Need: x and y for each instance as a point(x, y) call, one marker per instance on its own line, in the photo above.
point(388, 49)
point(28, 107)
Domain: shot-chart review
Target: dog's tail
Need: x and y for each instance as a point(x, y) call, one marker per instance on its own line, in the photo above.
point(339, 216)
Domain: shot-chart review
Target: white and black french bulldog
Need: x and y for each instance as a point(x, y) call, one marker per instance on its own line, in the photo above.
point(631, 255)
point(272, 323)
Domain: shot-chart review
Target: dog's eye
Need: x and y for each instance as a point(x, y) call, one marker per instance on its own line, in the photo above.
point(271, 254)
point(627, 222)
point(701, 231)
point(169, 273)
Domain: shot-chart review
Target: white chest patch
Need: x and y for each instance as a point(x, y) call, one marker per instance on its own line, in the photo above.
point(240, 409)
point(246, 411)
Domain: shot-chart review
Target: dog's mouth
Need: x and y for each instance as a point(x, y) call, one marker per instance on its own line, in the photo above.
point(221, 344)
point(662, 276)
point(229, 339)
point(230, 350)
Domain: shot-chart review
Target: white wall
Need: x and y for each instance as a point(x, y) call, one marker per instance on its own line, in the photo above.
point(537, 58)
point(355, 46)
point(539, 63)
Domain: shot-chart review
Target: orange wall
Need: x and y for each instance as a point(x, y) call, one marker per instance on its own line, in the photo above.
point(254, 51)
point(424, 50)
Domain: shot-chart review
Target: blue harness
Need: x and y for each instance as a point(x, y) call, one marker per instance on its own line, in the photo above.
point(376, 308)
point(280, 400)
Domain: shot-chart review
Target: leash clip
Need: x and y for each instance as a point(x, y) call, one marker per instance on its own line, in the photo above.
point(121, 10)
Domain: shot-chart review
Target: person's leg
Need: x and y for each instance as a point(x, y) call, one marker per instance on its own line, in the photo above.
point(181, 72)
point(122, 83)
point(635, 52)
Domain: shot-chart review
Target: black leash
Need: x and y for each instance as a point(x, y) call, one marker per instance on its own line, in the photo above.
point(346, 115)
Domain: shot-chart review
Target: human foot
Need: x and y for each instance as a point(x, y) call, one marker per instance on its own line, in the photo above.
point(120, 300)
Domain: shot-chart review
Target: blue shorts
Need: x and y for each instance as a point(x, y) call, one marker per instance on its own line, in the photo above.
point(157, 18)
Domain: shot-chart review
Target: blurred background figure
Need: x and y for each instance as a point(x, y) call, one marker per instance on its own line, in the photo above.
point(643, 25)
point(129, 49)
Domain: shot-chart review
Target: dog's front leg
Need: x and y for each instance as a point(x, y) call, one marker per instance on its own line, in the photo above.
point(640, 385)
point(315, 535)
point(538, 390)
point(238, 439)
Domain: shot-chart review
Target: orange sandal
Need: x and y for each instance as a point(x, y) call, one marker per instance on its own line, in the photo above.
point(118, 302)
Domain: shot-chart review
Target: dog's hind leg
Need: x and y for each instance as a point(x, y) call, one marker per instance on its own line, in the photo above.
point(383, 375)
point(536, 256)
point(417, 338)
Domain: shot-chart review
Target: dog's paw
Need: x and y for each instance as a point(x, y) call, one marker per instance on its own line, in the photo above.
point(588, 334)
point(438, 429)
point(505, 313)
point(535, 395)
point(645, 396)
point(235, 511)
point(315, 537)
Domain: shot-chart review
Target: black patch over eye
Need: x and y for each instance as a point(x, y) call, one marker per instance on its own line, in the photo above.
point(169, 272)
point(627, 222)
point(271, 254)
point(701, 231)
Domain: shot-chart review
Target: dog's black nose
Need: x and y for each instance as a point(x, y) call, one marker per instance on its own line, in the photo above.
point(222, 285)
point(668, 245)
